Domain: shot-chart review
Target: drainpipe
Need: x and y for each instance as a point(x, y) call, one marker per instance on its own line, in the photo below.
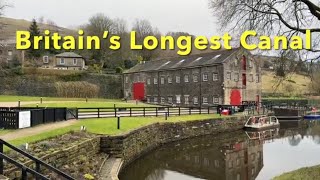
point(201, 78)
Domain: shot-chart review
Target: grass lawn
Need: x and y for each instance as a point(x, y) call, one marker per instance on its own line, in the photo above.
point(5, 98)
point(309, 173)
point(91, 104)
point(108, 126)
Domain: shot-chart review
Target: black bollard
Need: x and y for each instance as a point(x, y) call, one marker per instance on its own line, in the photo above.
point(166, 116)
point(19, 103)
point(118, 124)
point(86, 99)
point(41, 100)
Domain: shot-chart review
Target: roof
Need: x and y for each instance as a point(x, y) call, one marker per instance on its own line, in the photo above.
point(69, 54)
point(207, 59)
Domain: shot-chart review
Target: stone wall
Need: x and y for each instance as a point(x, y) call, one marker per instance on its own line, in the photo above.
point(132, 145)
point(61, 157)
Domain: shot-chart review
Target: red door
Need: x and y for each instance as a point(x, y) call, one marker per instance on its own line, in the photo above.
point(138, 91)
point(235, 97)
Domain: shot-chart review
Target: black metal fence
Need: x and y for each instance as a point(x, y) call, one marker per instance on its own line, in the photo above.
point(9, 117)
point(87, 113)
point(26, 172)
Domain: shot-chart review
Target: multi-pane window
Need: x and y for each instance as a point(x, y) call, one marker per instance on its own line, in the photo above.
point(228, 75)
point(155, 80)
point(251, 78)
point(205, 77)
point(127, 79)
point(186, 78)
point(162, 80)
point(215, 100)
point(9, 53)
point(250, 63)
point(170, 80)
point(178, 98)
point(186, 99)
point(195, 78)
point(257, 78)
point(162, 100)
point(178, 79)
point(205, 100)
point(195, 100)
point(236, 77)
point(148, 81)
point(215, 77)
point(75, 61)
point(155, 100)
point(148, 100)
point(61, 61)
point(170, 100)
point(45, 59)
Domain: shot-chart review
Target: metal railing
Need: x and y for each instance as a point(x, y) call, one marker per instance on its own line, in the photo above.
point(25, 170)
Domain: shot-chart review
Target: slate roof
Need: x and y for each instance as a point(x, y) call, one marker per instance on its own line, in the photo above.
point(207, 59)
point(69, 55)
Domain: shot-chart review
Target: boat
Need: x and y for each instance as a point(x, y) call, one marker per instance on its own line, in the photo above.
point(262, 122)
point(312, 116)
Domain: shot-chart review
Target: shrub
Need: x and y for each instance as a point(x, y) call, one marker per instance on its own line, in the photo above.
point(119, 70)
point(77, 89)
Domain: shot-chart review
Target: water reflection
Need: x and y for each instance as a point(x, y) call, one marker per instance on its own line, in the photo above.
point(232, 156)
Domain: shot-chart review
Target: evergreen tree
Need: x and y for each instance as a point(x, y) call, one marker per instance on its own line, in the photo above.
point(34, 31)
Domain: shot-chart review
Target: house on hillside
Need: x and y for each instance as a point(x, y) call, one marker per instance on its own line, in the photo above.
point(64, 61)
point(8, 52)
point(222, 77)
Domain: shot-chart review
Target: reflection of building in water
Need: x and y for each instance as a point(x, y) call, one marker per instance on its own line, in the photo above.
point(237, 160)
point(244, 160)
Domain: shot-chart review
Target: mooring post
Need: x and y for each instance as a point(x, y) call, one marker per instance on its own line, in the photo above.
point(118, 123)
point(41, 100)
point(19, 103)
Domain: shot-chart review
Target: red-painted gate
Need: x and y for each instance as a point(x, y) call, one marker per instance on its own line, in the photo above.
point(138, 91)
point(235, 97)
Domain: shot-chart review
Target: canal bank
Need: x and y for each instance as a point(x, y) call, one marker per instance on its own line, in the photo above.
point(130, 146)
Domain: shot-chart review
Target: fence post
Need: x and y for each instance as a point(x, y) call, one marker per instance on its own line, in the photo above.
point(19, 103)
point(168, 110)
point(179, 111)
point(189, 110)
point(130, 112)
point(38, 169)
point(156, 112)
point(208, 109)
point(1, 159)
point(41, 100)
point(98, 112)
point(24, 175)
point(54, 114)
point(118, 122)
point(144, 112)
point(115, 112)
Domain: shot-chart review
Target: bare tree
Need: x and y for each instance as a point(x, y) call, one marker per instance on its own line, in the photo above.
point(144, 29)
point(272, 17)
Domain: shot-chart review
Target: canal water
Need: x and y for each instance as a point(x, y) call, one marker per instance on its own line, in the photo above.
point(232, 156)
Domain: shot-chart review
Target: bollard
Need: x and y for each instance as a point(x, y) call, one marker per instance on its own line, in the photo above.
point(86, 99)
point(118, 124)
point(19, 103)
point(166, 116)
point(41, 100)
point(37, 105)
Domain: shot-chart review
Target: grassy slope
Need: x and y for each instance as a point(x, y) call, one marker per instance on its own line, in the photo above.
point(309, 173)
point(269, 82)
point(12, 25)
point(109, 126)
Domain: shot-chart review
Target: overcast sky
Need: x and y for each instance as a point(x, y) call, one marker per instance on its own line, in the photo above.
point(191, 16)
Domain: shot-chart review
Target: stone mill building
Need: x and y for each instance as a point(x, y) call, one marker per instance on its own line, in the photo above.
point(227, 77)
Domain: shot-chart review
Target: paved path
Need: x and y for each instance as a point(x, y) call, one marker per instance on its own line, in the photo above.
point(21, 133)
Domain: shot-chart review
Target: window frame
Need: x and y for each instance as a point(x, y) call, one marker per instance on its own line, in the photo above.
point(169, 80)
point(62, 61)
point(236, 77)
point(186, 78)
point(162, 81)
point(195, 78)
point(205, 100)
point(215, 75)
point(195, 100)
point(186, 99)
point(46, 59)
point(229, 75)
point(178, 99)
point(205, 77)
point(178, 79)
point(75, 61)
point(155, 81)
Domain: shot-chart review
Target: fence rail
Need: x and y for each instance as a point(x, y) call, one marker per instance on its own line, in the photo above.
point(25, 170)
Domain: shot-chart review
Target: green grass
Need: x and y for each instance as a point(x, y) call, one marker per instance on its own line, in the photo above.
point(6, 98)
point(308, 173)
point(91, 104)
point(108, 126)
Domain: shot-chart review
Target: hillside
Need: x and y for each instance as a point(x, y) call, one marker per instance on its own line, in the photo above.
point(10, 26)
point(292, 85)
